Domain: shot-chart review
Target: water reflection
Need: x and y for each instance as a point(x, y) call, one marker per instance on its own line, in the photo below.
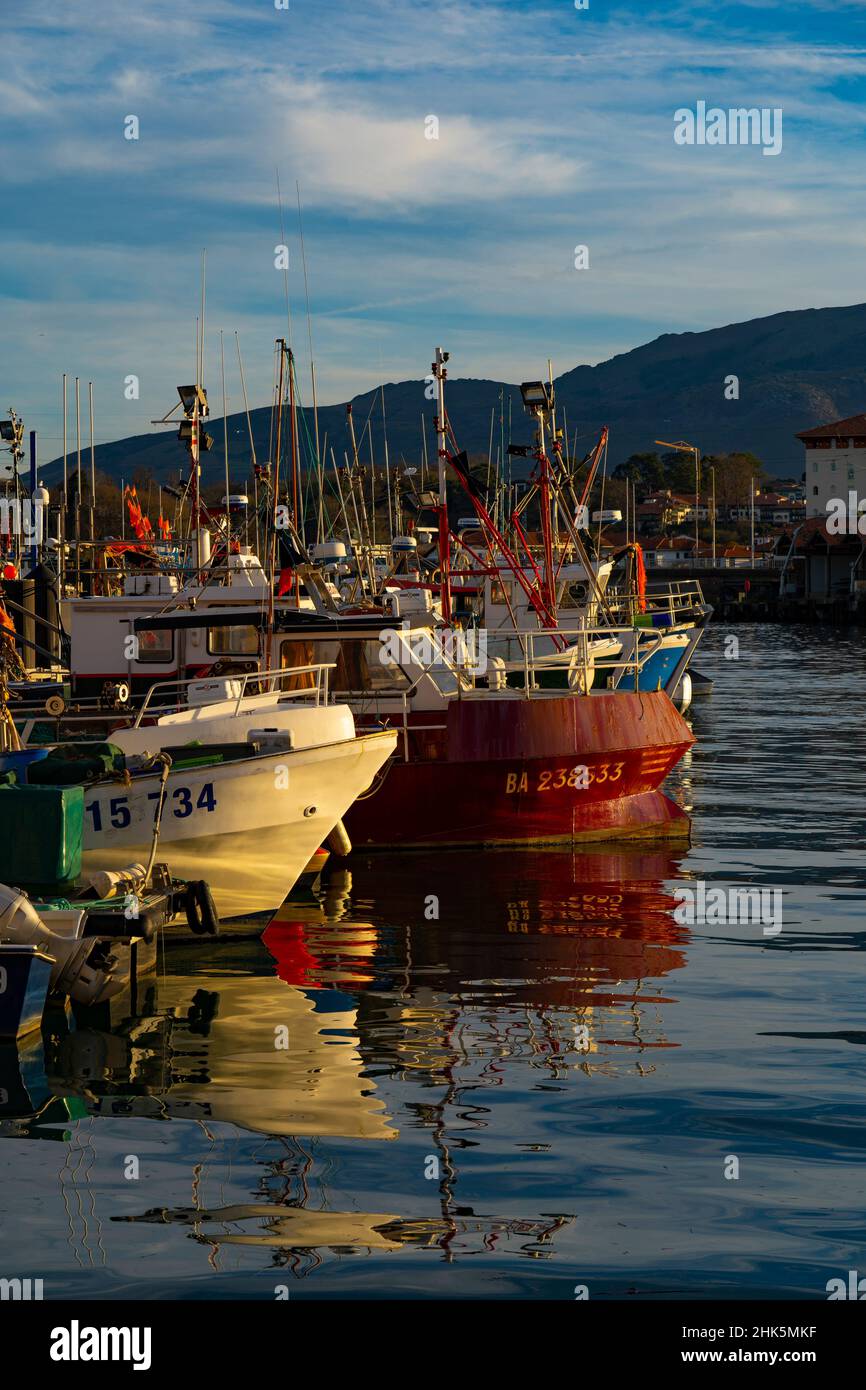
point(545, 955)
point(297, 1231)
point(529, 1083)
point(388, 1002)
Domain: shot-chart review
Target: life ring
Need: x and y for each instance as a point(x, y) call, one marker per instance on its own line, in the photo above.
point(201, 914)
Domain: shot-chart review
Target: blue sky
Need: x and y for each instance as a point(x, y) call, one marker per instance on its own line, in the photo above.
point(555, 129)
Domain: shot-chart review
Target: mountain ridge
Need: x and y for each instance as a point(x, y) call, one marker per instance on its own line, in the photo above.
point(795, 368)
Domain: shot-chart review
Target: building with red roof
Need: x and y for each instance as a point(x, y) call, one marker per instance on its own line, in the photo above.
point(835, 462)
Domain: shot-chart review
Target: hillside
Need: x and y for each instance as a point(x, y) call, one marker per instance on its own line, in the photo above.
point(795, 369)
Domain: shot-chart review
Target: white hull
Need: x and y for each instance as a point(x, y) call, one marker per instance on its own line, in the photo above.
point(249, 828)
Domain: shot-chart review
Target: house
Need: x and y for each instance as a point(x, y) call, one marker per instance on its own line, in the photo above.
point(835, 462)
point(777, 509)
point(652, 517)
point(686, 508)
point(662, 552)
point(733, 555)
point(665, 508)
point(667, 552)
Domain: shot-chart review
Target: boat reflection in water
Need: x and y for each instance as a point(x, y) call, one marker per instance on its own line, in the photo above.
point(357, 1017)
point(552, 945)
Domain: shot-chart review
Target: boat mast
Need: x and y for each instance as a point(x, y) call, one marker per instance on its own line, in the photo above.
point(357, 489)
point(320, 522)
point(546, 504)
point(252, 443)
point(440, 372)
point(272, 565)
point(92, 479)
point(77, 488)
point(297, 520)
point(293, 440)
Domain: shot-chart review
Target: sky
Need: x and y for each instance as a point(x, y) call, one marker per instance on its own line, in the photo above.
point(555, 130)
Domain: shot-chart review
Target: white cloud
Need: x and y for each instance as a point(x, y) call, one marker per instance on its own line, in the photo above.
point(362, 157)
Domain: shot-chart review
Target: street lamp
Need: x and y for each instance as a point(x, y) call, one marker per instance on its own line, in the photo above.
point(537, 396)
point(191, 396)
point(683, 448)
point(12, 432)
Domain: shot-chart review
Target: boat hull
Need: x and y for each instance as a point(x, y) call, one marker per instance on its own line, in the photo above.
point(249, 828)
point(25, 978)
point(512, 772)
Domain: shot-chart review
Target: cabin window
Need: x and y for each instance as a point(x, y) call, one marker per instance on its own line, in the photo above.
point(293, 654)
point(446, 680)
point(242, 640)
point(841, 443)
point(574, 593)
point(382, 670)
point(500, 592)
point(155, 646)
point(364, 666)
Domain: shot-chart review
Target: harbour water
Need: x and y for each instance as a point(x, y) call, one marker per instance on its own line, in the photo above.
point(502, 1075)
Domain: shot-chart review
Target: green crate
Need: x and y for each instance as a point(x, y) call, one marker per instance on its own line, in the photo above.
point(41, 834)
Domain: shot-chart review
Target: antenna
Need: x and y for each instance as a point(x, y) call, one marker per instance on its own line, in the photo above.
point(319, 464)
point(226, 449)
point(200, 360)
point(285, 267)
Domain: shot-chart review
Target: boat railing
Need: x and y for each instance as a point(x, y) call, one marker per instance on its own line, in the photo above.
point(266, 682)
point(680, 592)
point(575, 652)
point(415, 728)
point(678, 598)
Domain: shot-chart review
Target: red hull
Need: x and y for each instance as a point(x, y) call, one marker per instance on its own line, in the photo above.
point(509, 772)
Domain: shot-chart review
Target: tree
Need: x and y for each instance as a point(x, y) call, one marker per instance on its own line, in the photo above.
point(679, 472)
point(643, 469)
point(733, 475)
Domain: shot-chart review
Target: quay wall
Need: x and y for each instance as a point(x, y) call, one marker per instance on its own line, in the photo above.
point(760, 601)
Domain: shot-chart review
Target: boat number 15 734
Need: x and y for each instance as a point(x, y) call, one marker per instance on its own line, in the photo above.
point(182, 801)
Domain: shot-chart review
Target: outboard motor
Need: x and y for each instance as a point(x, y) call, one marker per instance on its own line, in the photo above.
point(83, 965)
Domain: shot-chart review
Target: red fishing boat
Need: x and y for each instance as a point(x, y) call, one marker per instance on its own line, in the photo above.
point(504, 771)
point(481, 762)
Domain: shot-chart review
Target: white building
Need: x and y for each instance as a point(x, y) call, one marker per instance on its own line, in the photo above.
point(835, 462)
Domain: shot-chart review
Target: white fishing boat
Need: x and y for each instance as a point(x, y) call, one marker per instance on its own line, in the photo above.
point(237, 788)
